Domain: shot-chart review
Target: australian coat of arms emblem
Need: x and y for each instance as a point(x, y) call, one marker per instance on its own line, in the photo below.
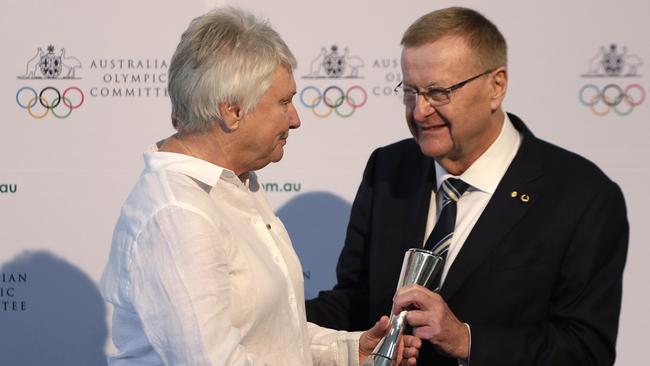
point(51, 65)
point(335, 64)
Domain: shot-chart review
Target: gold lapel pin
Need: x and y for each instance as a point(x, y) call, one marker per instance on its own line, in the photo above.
point(524, 197)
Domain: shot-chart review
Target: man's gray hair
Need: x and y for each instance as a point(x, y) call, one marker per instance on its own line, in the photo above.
point(226, 55)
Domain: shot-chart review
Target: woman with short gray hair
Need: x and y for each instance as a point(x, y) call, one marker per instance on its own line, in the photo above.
point(201, 271)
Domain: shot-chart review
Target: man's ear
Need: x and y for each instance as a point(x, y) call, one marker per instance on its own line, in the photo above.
point(499, 87)
point(232, 115)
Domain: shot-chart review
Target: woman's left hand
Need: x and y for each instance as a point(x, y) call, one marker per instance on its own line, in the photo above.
point(408, 348)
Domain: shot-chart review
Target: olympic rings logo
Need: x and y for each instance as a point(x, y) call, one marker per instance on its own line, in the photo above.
point(344, 104)
point(27, 98)
point(622, 101)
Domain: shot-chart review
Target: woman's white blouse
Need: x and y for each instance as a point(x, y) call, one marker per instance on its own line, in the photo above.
point(202, 272)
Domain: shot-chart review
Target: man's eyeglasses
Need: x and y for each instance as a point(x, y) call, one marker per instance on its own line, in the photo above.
point(434, 95)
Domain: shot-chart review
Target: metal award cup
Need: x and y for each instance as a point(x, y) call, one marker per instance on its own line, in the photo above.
point(420, 267)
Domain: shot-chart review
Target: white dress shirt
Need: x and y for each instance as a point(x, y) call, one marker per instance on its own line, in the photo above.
point(483, 176)
point(202, 272)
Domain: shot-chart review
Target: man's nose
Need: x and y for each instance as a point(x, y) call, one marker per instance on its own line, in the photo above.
point(422, 108)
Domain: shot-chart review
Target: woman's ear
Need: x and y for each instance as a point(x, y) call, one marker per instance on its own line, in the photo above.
point(232, 115)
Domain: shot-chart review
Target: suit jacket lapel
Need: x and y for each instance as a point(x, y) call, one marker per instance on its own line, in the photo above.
point(502, 212)
point(415, 219)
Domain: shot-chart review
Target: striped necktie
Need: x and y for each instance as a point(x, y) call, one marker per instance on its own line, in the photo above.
point(440, 237)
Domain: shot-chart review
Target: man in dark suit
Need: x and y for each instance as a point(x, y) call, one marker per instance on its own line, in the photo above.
point(533, 273)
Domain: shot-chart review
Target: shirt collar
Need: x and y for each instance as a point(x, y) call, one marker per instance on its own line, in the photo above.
point(486, 172)
point(198, 169)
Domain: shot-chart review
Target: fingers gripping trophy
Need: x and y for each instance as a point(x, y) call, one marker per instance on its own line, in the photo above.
point(420, 267)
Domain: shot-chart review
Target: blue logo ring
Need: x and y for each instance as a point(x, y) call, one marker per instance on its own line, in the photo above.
point(593, 100)
point(29, 105)
point(318, 99)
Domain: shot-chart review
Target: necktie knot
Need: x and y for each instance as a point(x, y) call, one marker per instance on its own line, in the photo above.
point(453, 188)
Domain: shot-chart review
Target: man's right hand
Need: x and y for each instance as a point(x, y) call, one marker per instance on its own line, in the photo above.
point(433, 321)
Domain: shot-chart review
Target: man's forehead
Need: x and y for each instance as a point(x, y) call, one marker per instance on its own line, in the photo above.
point(447, 45)
point(434, 64)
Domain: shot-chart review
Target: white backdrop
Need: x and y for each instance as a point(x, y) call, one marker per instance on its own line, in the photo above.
point(63, 177)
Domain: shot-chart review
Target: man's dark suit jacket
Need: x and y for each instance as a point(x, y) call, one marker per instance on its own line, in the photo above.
point(538, 280)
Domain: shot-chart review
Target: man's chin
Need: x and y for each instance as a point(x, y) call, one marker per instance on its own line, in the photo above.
point(432, 149)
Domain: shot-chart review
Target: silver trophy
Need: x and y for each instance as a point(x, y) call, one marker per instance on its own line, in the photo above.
point(420, 267)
